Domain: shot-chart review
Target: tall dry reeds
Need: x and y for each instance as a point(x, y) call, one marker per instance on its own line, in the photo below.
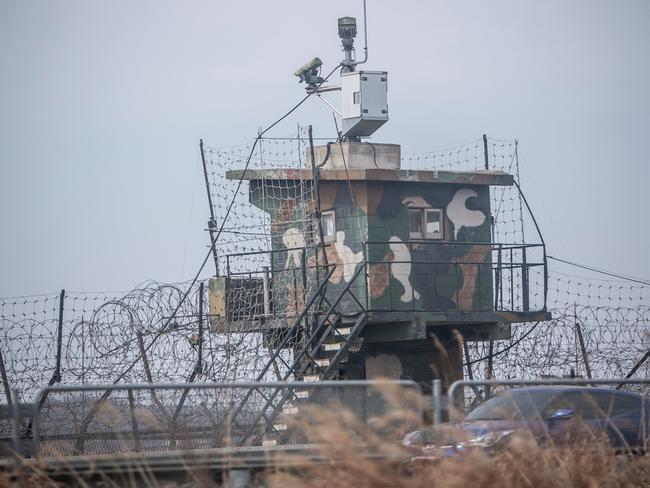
point(367, 452)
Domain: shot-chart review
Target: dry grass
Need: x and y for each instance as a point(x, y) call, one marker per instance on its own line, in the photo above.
point(347, 443)
point(369, 454)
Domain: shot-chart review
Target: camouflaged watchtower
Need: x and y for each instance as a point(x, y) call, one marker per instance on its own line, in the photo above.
point(402, 260)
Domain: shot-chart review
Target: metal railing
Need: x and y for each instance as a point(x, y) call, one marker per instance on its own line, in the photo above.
point(453, 398)
point(81, 419)
point(461, 276)
point(414, 275)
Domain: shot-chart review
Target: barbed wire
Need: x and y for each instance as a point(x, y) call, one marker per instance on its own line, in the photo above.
point(102, 333)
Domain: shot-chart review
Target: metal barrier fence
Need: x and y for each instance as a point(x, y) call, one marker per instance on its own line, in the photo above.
point(67, 420)
point(454, 397)
point(116, 419)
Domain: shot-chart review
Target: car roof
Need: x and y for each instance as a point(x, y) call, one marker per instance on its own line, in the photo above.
point(570, 388)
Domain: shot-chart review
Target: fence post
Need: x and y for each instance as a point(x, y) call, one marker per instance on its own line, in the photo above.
point(147, 375)
point(581, 339)
point(17, 428)
point(436, 393)
point(134, 422)
point(212, 223)
point(485, 151)
point(5, 379)
point(199, 360)
point(56, 377)
point(198, 369)
point(490, 374)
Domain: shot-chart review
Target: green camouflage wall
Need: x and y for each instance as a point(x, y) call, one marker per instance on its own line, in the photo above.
point(453, 273)
point(427, 275)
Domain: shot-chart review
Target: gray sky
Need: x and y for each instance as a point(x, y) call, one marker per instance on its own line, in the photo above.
point(102, 105)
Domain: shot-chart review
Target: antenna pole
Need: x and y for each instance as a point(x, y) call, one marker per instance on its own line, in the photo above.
point(365, 36)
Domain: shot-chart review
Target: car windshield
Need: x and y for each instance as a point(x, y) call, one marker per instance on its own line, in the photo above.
point(513, 405)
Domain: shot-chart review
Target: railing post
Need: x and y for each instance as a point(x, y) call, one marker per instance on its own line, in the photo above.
point(524, 279)
point(303, 265)
point(545, 275)
point(436, 401)
point(456, 266)
point(366, 264)
point(199, 359)
point(266, 291)
point(480, 289)
point(512, 281)
point(498, 280)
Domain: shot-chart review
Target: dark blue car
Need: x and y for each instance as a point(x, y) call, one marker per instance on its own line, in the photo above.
point(553, 415)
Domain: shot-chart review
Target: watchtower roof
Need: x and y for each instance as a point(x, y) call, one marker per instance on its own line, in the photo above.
point(479, 177)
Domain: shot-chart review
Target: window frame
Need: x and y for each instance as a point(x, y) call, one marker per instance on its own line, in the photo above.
point(441, 233)
point(327, 237)
point(423, 234)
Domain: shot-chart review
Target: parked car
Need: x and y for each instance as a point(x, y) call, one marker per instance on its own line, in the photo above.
point(552, 415)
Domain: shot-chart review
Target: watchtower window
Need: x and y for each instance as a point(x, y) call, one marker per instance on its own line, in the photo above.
point(415, 223)
point(328, 220)
point(433, 223)
point(425, 223)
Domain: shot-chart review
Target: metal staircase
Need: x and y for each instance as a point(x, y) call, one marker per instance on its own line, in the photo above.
point(318, 355)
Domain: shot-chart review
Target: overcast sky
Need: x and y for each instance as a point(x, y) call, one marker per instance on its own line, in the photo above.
point(102, 105)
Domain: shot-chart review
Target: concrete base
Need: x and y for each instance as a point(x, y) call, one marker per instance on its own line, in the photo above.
point(420, 360)
point(358, 155)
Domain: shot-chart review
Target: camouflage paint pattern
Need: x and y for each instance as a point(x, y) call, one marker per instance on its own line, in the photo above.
point(448, 277)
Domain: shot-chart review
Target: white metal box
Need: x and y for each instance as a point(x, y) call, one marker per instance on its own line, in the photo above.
point(364, 102)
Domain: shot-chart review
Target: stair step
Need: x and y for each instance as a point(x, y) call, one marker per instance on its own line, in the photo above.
point(269, 443)
point(280, 426)
point(332, 347)
point(323, 363)
point(308, 378)
point(290, 410)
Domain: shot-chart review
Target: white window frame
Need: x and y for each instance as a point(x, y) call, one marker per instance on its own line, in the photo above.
point(328, 237)
point(416, 235)
point(423, 224)
point(441, 220)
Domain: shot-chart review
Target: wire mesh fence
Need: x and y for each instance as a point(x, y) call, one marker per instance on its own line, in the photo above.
point(161, 332)
point(140, 418)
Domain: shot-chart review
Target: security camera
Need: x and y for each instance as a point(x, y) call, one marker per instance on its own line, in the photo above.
point(309, 73)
